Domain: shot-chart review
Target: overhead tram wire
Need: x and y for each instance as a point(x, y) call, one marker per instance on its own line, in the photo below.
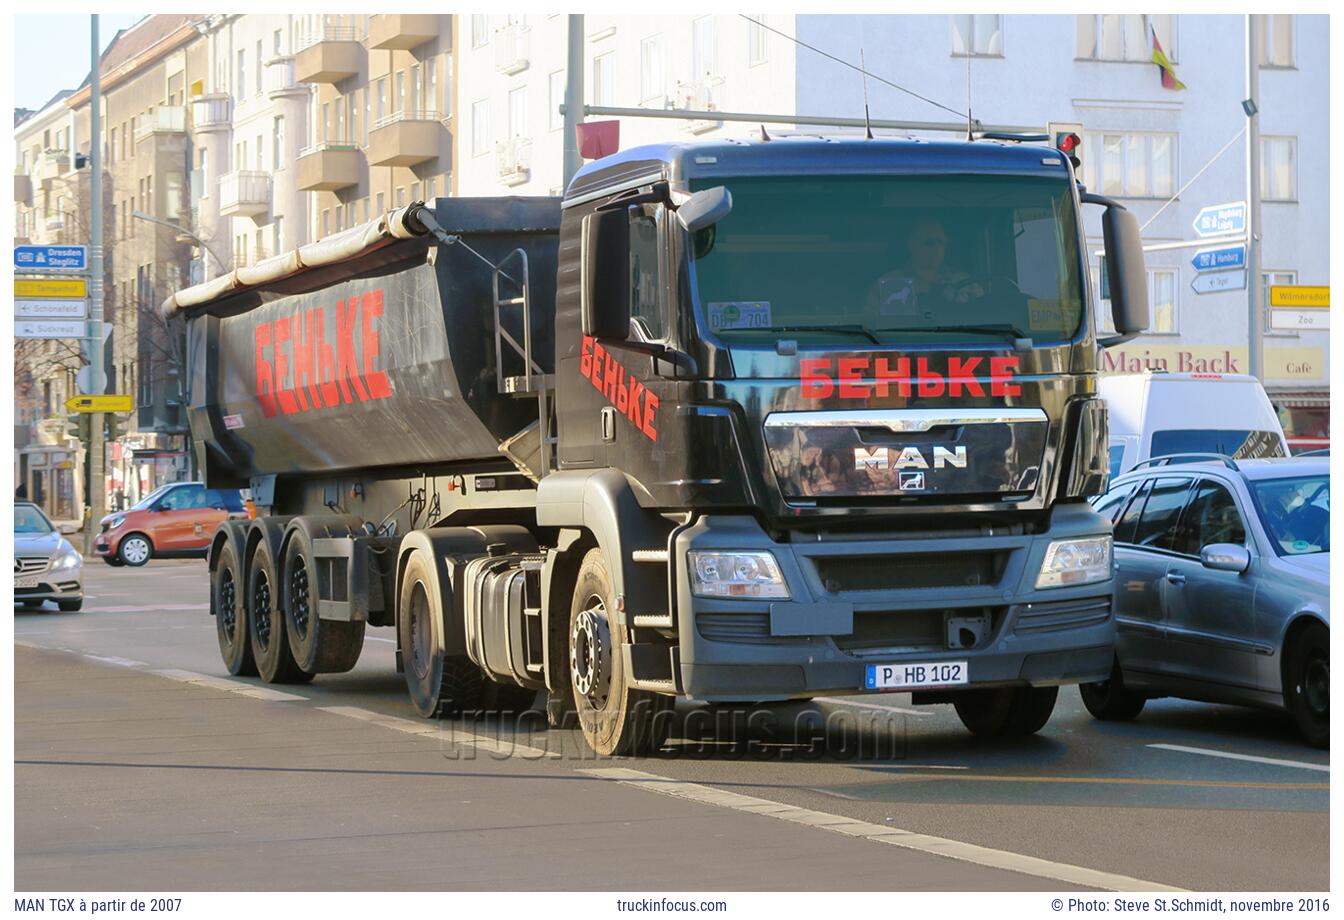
point(843, 62)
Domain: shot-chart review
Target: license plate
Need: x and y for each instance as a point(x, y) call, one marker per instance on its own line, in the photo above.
point(916, 674)
point(26, 581)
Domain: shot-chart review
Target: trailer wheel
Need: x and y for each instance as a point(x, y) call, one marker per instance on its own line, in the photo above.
point(616, 719)
point(266, 623)
point(319, 646)
point(1009, 712)
point(227, 585)
point(439, 684)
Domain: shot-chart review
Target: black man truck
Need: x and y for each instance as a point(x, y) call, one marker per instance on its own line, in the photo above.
point(729, 421)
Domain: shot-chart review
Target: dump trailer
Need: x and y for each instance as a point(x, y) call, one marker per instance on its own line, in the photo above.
point(733, 421)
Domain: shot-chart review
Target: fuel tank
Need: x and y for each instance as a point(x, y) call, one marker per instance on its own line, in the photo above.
point(383, 359)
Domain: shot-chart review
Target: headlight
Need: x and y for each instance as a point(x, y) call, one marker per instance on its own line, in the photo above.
point(65, 558)
point(753, 574)
point(1075, 562)
point(116, 522)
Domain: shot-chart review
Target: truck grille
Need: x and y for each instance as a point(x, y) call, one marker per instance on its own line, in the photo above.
point(735, 627)
point(886, 631)
point(24, 565)
point(904, 571)
point(1052, 615)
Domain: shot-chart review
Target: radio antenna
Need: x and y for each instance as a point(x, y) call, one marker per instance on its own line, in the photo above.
point(863, 70)
point(969, 135)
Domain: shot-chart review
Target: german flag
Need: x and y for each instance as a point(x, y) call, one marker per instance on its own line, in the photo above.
point(1169, 80)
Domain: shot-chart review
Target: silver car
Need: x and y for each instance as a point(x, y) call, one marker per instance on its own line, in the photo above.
point(46, 566)
point(1222, 588)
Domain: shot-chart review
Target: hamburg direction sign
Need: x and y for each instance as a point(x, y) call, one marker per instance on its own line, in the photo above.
point(51, 258)
point(1207, 260)
point(1216, 282)
point(1221, 219)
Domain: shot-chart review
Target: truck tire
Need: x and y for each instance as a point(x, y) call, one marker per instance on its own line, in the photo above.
point(439, 685)
point(227, 585)
point(1109, 700)
point(318, 646)
point(265, 621)
point(1008, 712)
point(615, 718)
point(1306, 684)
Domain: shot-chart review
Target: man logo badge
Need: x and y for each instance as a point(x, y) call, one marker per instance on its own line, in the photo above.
point(911, 480)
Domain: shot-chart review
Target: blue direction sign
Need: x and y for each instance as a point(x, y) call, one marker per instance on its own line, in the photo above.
point(51, 258)
point(1207, 260)
point(1221, 219)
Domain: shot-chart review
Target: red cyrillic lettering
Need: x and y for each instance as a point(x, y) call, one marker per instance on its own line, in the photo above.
point(283, 394)
point(851, 370)
point(635, 401)
point(650, 413)
point(622, 394)
point(885, 376)
point(586, 357)
point(1001, 372)
point(816, 383)
point(326, 362)
point(609, 378)
point(931, 382)
point(379, 385)
point(598, 354)
point(347, 371)
point(265, 373)
point(305, 368)
point(961, 373)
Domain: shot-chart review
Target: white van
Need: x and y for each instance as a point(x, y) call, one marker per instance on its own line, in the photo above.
point(1155, 413)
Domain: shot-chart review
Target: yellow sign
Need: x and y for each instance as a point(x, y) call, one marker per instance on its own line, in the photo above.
point(111, 402)
point(1289, 363)
point(51, 287)
point(1299, 295)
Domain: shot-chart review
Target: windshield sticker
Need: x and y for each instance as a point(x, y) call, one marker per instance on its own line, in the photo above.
point(1044, 314)
point(739, 314)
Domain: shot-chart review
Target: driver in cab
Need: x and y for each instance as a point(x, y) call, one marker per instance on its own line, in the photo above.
point(922, 283)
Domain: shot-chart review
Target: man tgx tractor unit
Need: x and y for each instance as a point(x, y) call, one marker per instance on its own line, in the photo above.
point(730, 421)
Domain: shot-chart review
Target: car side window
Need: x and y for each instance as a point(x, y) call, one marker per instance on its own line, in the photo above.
point(195, 497)
point(1124, 530)
point(1211, 517)
point(1110, 505)
point(1162, 514)
point(174, 500)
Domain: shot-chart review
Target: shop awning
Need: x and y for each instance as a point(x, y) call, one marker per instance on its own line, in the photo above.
point(1300, 399)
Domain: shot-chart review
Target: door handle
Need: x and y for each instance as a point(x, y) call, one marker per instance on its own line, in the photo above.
point(1175, 578)
point(608, 424)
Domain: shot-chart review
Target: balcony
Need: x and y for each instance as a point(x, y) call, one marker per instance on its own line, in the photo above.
point(281, 78)
point(405, 139)
point(23, 188)
point(245, 193)
point(211, 112)
point(55, 222)
point(513, 46)
point(328, 167)
point(333, 56)
point(165, 119)
point(51, 165)
point(513, 160)
point(699, 97)
point(402, 32)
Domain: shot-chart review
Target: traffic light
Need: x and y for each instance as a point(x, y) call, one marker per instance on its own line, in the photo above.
point(81, 425)
point(1068, 140)
point(81, 160)
point(114, 426)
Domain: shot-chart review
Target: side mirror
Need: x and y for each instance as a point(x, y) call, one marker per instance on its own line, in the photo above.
point(1225, 557)
point(705, 208)
point(1125, 273)
point(605, 278)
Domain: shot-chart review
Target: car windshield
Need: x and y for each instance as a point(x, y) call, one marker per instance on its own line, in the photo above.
point(151, 498)
point(889, 259)
point(1296, 513)
point(29, 519)
point(1240, 444)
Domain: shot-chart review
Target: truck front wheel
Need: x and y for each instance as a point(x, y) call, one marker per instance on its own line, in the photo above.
point(1007, 712)
point(439, 684)
point(615, 718)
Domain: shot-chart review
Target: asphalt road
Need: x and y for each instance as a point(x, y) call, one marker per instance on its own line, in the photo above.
point(140, 765)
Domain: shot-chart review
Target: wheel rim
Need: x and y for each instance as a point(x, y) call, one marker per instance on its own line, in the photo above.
point(298, 596)
point(228, 614)
point(420, 630)
point(1315, 688)
point(590, 654)
point(136, 550)
point(261, 608)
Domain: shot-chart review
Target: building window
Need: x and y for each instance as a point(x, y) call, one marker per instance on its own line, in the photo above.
point(326, 122)
point(399, 92)
point(757, 40)
point(1275, 45)
point(432, 86)
point(256, 67)
point(240, 90)
point(480, 127)
point(703, 51)
point(277, 43)
point(340, 121)
point(278, 234)
point(652, 80)
point(1278, 168)
point(518, 112)
point(480, 31)
point(364, 125)
point(1115, 37)
point(604, 78)
point(431, 188)
point(112, 150)
point(1162, 298)
point(415, 191)
point(326, 222)
point(977, 35)
point(382, 98)
point(381, 203)
point(416, 102)
point(1131, 165)
point(401, 196)
point(205, 173)
point(1271, 277)
point(278, 142)
point(556, 84)
point(261, 160)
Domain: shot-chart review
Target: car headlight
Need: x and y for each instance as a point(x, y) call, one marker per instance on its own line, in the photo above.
point(65, 558)
point(114, 523)
point(1075, 562)
point(744, 574)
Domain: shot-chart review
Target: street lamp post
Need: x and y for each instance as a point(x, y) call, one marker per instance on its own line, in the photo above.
point(150, 218)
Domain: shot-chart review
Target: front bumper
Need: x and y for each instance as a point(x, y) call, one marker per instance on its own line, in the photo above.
point(885, 606)
point(54, 586)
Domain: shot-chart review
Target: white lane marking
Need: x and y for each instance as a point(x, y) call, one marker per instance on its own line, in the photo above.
point(115, 661)
point(879, 833)
point(840, 701)
point(231, 686)
point(144, 608)
point(1272, 761)
point(445, 731)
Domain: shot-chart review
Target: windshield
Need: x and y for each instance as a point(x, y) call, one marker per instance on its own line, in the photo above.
point(1296, 512)
point(892, 259)
point(28, 519)
point(1239, 444)
point(151, 498)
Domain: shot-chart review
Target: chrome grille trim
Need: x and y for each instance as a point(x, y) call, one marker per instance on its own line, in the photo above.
point(903, 420)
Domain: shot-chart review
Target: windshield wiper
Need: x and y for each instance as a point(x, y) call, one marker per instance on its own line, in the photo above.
point(1006, 330)
point(851, 329)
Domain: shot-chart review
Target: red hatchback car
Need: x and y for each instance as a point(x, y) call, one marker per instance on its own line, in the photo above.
point(174, 520)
